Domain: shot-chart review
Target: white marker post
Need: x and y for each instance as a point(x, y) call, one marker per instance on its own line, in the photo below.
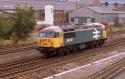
point(49, 19)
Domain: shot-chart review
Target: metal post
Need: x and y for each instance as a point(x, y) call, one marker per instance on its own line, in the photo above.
point(76, 4)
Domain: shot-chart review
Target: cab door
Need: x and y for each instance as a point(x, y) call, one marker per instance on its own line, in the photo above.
point(58, 40)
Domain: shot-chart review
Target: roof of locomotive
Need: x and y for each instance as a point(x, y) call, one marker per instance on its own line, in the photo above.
point(68, 28)
point(96, 24)
point(90, 26)
point(52, 29)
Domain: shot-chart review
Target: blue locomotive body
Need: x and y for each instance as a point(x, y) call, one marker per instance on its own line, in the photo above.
point(83, 36)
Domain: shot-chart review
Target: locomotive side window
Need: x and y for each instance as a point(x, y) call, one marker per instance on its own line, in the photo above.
point(50, 34)
point(57, 35)
point(69, 35)
point(53, 35)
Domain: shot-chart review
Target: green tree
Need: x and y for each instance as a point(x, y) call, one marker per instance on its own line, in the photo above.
point(2, 19)
point(6, 26)
point(24, 22)
point(1, 25)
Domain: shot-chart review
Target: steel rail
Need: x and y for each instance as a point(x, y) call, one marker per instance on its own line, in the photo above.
point(22, 67)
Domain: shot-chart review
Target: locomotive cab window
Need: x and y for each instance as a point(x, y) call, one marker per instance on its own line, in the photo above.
point(52, 34)
point(57, 34)
point(49, 34)
point(42, 34)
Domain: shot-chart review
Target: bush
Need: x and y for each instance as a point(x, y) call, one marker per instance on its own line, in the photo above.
point(19, 26)
point(6, 26)
point(24, 22)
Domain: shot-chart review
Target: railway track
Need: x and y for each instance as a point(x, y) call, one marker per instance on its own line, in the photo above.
point(111, 71)
point(24, 47)
point(117, 32)
point(17, 45)
point(16, 48)
point(12, 70)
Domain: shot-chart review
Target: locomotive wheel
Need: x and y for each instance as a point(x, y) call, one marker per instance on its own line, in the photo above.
point(88, 46)
point(43, 53)
point(60, 52)
point(74, 49)
point(67, 51)
point(96, 43)
point(101, 42)
point(50, 54)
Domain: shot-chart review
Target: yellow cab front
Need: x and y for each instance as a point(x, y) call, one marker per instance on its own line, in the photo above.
point(50, 39)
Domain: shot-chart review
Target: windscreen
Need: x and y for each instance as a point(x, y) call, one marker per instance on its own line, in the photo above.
point(48, 35)
point(42, 34)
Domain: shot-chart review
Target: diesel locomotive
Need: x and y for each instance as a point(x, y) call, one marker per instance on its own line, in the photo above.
point(55, 40)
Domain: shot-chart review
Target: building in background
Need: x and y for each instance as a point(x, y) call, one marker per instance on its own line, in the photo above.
point(109, 15)
point(82, 14)
point(72, 11)
point(116, 5)
point(113, 3)
point(61, 8)
point(95, 11)
point(89, 3)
